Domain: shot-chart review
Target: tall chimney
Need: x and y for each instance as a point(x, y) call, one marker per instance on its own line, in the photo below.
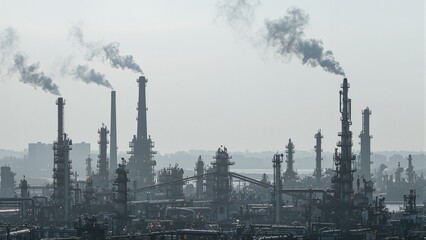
point(60, 102)
point(113, 136)
point(142, 124)
point(365, 145)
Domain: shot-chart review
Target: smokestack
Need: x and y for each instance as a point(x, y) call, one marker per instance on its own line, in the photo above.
point(113, 136)
point(365, 145)
point(60, 102)
point(142, 124)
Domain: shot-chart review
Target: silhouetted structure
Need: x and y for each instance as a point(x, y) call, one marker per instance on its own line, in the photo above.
point(7, 184)
point(410, 170)
point(113, 136)
point(141, 162)
point(344, 180)
point(223, 186)
point(62, 170)
point(121, 196)
point(290, 176)
point(318, 157)
point(171, 174)
point(101, 179)
point(88, 167)
point(199, 170)
point(277, 160)
point(365, 138)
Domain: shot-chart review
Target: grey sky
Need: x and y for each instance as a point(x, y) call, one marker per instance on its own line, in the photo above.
point(209, 86)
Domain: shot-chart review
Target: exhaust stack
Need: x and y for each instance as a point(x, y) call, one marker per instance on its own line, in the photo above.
point(113, 136)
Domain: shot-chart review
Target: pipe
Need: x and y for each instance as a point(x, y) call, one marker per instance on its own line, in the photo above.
point(20, 200)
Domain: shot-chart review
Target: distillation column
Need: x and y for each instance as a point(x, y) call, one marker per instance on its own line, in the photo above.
point(121, 195)
point(103, 171)
point(318, 157)
point(88, 167)
point(410, 170)
point(290, 174)
point(365, 146)
point(277, 160)
point(223, 186)
point(62, 170)
point(343, 161)
point(199, 169)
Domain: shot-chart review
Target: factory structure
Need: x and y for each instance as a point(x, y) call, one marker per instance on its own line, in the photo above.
point(131, 199)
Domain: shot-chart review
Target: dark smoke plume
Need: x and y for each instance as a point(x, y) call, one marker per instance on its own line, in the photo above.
point(83, 73)
point(109, 52)
point(30, 74)
point(288, 37)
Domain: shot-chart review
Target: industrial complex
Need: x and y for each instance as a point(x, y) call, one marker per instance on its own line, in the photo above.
point(132, 199)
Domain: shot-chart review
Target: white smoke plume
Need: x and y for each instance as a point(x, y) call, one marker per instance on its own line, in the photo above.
point(30, 74)
point(108, 53)
point(287, 36)
point(238, 13)
point(8, 43)
point(83, 73)
point(16, 62)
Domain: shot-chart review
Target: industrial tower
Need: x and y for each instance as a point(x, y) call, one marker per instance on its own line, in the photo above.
point(223, 186)
point(343, 180)
point(62, 170)
point(88, 167)
point(103, 171)
point(365, 138)
point(290, 174)
point(141, 162)
point(277, 160)
point(318, 157)
point(113, 137)
point(410, 170)
point(121, 195)
point(199, 170)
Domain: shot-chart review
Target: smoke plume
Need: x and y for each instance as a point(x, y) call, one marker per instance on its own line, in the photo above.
point(30, 74)
point(108, 53)
point(287, 36)
point(8, 42)
point(238, 13)
point(8, 39)
point(83, 73)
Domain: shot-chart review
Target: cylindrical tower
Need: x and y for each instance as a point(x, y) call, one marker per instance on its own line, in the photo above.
point(199, 169)
point(365, 141)
point(223, 184)
point(277, 160)
point(344, 177)
point(290, 174)
point(103, 170)
point(113, 136)
point(318, 158)
point(62, 171)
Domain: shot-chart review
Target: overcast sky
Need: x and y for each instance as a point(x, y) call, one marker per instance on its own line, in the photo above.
point(209, 85)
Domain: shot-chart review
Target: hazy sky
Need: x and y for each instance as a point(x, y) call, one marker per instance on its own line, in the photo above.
point(209, 85)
